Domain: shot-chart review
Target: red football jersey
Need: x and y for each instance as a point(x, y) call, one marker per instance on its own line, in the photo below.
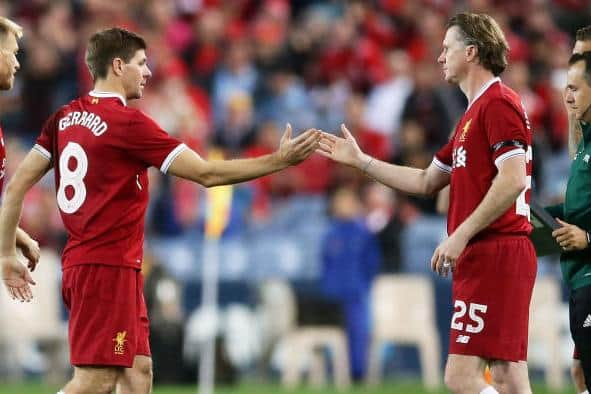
point(101, 150)
point(494, 128)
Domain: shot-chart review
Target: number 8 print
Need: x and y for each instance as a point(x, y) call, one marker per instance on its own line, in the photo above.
point(73, 178)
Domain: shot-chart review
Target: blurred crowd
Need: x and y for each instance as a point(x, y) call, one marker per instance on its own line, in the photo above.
point(231, 74)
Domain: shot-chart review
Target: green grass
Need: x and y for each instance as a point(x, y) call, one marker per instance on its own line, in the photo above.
point(392, 387)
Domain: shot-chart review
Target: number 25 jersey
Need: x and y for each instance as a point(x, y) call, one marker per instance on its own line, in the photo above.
point(101, 150)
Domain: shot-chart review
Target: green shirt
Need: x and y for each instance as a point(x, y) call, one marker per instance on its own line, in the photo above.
point(576, 209)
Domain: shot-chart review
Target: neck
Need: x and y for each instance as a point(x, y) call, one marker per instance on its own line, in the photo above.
point(474, 81)
point(106, 85)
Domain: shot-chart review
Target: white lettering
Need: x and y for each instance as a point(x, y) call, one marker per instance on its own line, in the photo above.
point(82, 118)
point(100, 130)
point(90, 120)
point(64, 122)
point(95, 122)
point(75, 117)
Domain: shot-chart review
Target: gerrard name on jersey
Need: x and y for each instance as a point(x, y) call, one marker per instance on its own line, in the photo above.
point(90, 120)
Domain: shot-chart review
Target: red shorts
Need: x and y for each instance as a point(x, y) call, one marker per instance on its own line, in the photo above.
point(576, 354)
point(492, 287)
point(108, 322)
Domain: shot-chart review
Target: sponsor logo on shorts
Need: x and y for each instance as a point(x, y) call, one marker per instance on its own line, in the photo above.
point(463, 339)
point(587, 322)
point(120, 342)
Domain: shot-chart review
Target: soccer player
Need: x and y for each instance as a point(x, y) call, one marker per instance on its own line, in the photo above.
point(575, 218)
point(488, 165)
point(10, 32)
point(100, 150)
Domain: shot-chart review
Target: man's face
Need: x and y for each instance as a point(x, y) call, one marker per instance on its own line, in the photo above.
point(578, 92)
point(135, 75)
point(582, 46)
point(8, 62)
point(453, 56)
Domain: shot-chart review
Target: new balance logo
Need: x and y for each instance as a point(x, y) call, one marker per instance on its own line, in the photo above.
point(587, 322)
point(464, 338)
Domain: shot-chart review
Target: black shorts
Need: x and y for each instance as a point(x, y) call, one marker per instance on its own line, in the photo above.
point(580, 317)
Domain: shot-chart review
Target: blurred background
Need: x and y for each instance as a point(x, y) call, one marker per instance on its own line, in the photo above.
point(324, 274)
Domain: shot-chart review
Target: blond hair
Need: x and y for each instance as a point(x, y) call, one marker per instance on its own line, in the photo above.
point(483, 31)
point(9, 26)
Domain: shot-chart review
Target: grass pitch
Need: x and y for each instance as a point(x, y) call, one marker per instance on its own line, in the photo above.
point(391, 387)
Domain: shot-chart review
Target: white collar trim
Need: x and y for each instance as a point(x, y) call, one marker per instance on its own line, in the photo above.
point(483, 89)
point(94, 93)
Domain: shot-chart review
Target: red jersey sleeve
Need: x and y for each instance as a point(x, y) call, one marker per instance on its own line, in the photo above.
point(45, 142)
point(151, 145)
point(443, 158)
point(505, 128)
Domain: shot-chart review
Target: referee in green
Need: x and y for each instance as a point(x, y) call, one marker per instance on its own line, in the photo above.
point(575, 213)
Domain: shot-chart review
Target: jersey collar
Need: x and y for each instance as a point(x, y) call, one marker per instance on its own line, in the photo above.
point(94, 93)
point(483, 89)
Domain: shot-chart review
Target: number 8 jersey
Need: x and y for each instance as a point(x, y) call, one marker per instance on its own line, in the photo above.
point(101, 150)
point(494, 128)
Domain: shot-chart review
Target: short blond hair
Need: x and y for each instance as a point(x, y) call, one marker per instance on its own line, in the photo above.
point(9, 26)
point(484, 32)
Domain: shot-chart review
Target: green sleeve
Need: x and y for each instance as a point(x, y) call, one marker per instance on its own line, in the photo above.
point(557, 211)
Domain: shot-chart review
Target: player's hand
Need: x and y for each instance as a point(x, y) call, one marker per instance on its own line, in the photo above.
point(295, 150)
point(341, 149)
point(17, 279)
point(31, 251)
point(570, 237)
point(447, 253)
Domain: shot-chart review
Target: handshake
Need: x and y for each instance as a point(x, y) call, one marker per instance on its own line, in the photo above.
point(342, 149)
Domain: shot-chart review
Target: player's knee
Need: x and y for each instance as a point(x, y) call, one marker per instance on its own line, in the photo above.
point(143, 368)
point(510, 381)
point(454, 380)
point(100, 381)
point(104, 385)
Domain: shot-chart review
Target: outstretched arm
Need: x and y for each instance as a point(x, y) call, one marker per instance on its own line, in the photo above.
point(189, 165)
point(406, 179)
point(15, 275)
point(29, 247)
